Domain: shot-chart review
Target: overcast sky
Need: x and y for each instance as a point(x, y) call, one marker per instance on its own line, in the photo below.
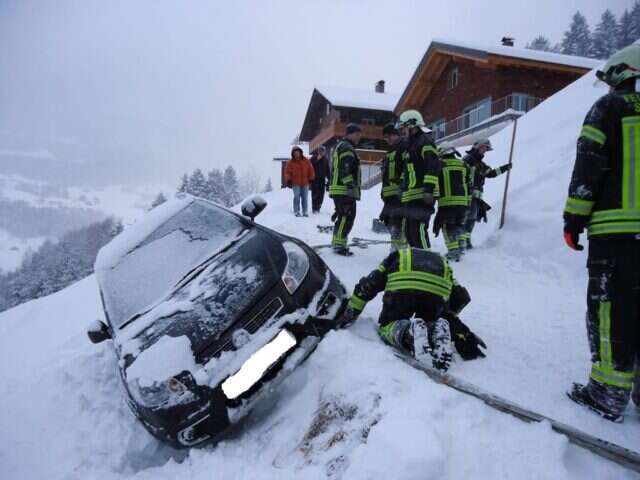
point(195, 83)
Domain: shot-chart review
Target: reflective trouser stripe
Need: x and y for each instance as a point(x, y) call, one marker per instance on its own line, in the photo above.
point(338, 238)
point(357, 303)
point(604, 370)
point(386, 332)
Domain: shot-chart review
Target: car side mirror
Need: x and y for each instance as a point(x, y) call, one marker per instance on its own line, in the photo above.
point(98, 332)
point(252, 207)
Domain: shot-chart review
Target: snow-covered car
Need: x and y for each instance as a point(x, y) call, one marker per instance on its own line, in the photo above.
point(208, 311)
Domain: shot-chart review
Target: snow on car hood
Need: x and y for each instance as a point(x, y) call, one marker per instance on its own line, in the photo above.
point(165, 359)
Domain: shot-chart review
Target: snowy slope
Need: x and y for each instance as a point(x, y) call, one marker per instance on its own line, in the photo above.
point(353, 410)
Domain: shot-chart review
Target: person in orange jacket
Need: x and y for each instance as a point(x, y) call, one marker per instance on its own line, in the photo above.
point(298, 174)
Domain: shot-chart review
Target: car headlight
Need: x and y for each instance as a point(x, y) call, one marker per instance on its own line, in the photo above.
point(169, 392)
point(297, 266)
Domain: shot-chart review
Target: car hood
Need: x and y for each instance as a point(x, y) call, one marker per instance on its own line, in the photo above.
point(224, 291)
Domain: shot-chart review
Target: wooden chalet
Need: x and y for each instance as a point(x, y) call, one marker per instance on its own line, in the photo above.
point(465, 90)
point(331, 109)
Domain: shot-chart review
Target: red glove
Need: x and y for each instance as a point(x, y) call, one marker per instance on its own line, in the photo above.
point(572, 239)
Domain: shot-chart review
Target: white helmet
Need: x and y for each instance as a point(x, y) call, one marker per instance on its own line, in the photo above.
point(412, 118)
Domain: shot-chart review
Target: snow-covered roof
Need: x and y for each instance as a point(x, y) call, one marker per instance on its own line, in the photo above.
point(523, 53)
point(359, 98)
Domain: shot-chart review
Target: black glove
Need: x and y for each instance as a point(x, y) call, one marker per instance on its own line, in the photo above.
point(573, 227)
point(327, 187)
point(483, 208)
point(467, 345)
point(506, 167)
point(289, 184)
point(466, 342)
point(349, 316)
point(437, 224)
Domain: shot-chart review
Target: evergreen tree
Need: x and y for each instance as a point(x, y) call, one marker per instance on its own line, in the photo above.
point(231, 187)
point(540, 43)
point(215, 186)
point(268, 187)
point(184, 184)
point(197, 184)
point(604, 42)
point(634, 30)
point(577, 40)
point(159, 200)
point(624, 35)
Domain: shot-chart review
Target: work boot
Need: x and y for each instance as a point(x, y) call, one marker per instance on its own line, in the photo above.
point(454, 256)
point(419, 340)
point(344, 251)
point(440, 344)
point(580, 394)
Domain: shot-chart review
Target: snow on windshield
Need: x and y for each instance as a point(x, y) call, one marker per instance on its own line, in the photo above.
point(152, 268)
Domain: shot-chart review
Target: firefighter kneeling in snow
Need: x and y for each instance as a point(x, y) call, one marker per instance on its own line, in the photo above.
point(604, 199)
point(420, 307)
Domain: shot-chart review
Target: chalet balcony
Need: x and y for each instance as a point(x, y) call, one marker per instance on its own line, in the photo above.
point(333, 127)
point(491, 116)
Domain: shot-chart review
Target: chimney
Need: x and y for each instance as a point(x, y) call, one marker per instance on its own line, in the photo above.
point(507, 41)
point(380, 86)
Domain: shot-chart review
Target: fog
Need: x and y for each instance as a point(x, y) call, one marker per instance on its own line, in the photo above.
point(142, 91)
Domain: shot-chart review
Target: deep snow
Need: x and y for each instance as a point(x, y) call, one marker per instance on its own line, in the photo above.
point(352, 410)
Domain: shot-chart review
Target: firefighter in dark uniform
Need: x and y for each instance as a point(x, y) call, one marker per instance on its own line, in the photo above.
point(421, 168)
point(344, 188)
point(604, 199)
point(420, 307)
point(453, 201)
point(478, 172)
point(391, 214)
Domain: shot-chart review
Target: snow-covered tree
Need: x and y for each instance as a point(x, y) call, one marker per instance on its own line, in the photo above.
point(215, 186)
point(623, 30)
point(197, 184)
point(248, 184)
point(540, 43)
point(577, 40)
point(159, 200)
point(268, 187)
point(604, 40)
point(231, 187)
point(184, 184)
point(634, 28)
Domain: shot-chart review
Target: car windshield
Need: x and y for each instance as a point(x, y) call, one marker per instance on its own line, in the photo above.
point(154, 266)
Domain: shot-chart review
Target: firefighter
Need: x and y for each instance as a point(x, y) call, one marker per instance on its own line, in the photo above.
point(604, 199)
point(421, 168)
point(344, 188)
point(453, 201)
point(478, 172)
point(420, 307)
point(391, 214)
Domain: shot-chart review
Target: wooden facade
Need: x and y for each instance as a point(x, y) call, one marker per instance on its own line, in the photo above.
point(326, 122)
point(452, 79)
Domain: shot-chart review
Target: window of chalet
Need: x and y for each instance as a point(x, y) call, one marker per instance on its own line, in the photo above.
point(453, 78)
point(476, 113)
point(438, 127)
point(520, 102)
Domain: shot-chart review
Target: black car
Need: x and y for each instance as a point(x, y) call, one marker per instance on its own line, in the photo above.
point(208, 311)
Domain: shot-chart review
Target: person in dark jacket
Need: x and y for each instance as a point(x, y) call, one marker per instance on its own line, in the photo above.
point(421, 168)
point(320, 164)
point(391, 214)
point(604, 199)
point(344, 187)
point(478, 172)
point(453, 201)
point(420, 307)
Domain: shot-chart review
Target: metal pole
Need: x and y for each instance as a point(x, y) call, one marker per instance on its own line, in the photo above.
point(506, 184)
